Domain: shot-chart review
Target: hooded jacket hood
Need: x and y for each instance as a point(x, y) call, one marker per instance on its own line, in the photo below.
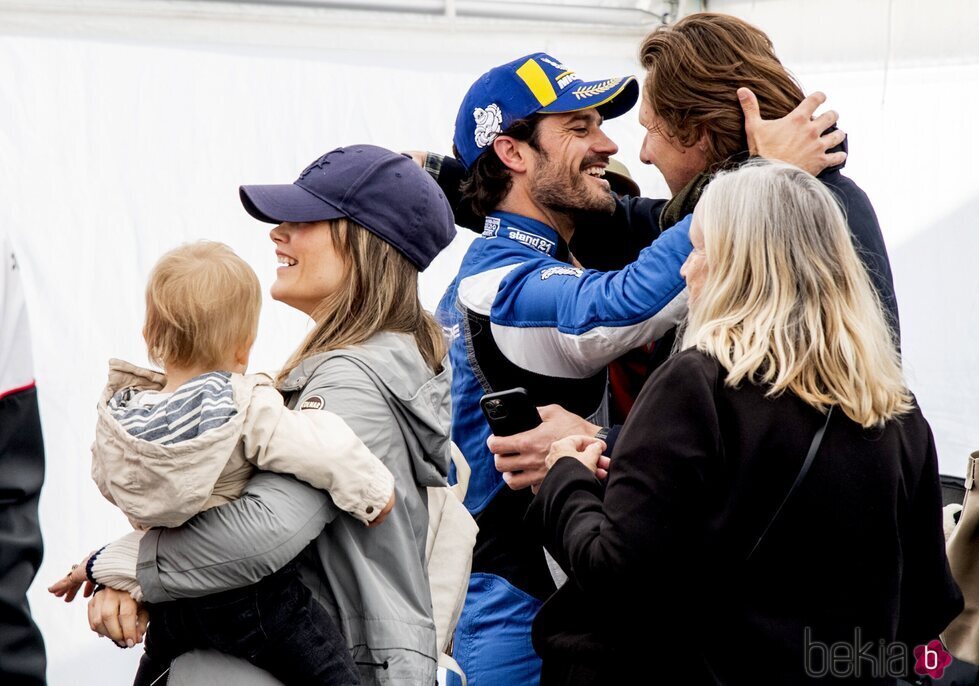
point(161, 484)
point(418, 396)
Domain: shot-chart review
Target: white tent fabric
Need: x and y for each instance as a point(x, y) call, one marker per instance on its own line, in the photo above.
point(126, 127)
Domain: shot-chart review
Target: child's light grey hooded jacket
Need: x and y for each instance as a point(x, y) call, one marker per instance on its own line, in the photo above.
point(372, 580)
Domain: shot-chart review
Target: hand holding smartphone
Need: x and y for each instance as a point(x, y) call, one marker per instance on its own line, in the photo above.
point(510, 412)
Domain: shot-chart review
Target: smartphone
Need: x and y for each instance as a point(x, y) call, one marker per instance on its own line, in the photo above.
point(509, 412)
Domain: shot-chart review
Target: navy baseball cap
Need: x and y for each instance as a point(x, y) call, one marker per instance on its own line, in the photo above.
point(534, 83)
point(383, 191)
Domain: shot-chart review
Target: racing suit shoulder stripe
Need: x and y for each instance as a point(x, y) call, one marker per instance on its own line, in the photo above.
point(478, 292)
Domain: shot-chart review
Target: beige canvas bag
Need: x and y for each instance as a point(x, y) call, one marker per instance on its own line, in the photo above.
point(961, 637)
point(448, 557)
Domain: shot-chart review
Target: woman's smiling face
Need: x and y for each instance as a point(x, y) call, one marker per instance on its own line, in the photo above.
point(311, 268)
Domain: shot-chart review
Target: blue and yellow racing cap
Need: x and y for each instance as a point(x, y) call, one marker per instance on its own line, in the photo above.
point(532, 84)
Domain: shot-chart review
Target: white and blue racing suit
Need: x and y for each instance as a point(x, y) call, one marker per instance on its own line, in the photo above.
point(519, 314)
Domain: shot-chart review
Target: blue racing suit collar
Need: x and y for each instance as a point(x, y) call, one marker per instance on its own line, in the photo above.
point(526, 231)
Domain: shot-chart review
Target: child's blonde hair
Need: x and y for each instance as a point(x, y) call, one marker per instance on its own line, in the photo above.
point(202, 301)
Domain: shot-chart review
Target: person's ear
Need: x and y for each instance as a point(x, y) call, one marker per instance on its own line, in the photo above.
point(242, 352)
point(511, 153)
point(703, 142)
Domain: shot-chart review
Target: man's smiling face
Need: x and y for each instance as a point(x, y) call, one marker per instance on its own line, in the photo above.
point(678, 164)
point(569, 161)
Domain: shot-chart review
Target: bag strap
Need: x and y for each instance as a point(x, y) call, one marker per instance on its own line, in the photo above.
point(970, 472)
point(810, 457)
point(448, 663)
point(463, 471)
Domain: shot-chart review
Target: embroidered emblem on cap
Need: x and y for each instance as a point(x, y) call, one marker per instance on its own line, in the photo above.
point(313, 402)
point(556, 65)
point(320, 162)
point(566, 79)
point(596, 89)
point(488, 123)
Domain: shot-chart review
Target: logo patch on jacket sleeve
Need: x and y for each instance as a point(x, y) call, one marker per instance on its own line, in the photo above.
point(560, 271)
point(313, 402)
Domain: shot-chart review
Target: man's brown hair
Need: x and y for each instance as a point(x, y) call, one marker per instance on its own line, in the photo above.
point(694, 69)
point(489, 180)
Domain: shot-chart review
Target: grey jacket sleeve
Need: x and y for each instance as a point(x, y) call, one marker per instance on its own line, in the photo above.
point(233, 545)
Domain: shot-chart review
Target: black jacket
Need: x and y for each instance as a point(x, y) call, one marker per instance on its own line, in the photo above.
point(660, 585)
point(22, 658)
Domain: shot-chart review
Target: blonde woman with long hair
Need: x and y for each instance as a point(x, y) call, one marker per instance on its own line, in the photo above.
point(352, 233)
point(774, 494)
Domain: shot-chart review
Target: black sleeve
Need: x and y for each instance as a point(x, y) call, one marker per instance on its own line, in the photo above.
point(655, 486)
point(449, 173)
point(612, 438)
point(930, 599)
point(609, 243)
point(22, 659)
point(867, 239)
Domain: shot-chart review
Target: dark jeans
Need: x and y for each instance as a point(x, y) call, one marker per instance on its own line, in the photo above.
point(275, 624)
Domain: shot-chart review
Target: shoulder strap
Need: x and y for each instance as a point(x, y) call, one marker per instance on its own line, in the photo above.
point(463, 471)
point(810, 457)
point(448, 663)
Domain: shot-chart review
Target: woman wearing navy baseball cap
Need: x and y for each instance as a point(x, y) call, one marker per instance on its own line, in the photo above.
point(352, 233)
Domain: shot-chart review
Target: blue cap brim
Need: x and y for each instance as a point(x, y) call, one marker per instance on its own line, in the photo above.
point(611, 97)
point(285, 203)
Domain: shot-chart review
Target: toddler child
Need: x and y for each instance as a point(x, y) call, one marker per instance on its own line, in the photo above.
point(170, 445)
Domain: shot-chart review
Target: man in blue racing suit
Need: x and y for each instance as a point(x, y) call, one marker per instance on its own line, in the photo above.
point(521, 313)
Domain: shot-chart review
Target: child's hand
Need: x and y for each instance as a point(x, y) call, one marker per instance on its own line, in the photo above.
point(69, 584)
point(379, 519)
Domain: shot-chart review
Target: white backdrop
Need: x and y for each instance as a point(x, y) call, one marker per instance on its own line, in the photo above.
point(126, 128)
point(904, 74)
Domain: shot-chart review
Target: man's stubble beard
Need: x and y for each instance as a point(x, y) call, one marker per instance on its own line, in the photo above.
point(570, 195)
